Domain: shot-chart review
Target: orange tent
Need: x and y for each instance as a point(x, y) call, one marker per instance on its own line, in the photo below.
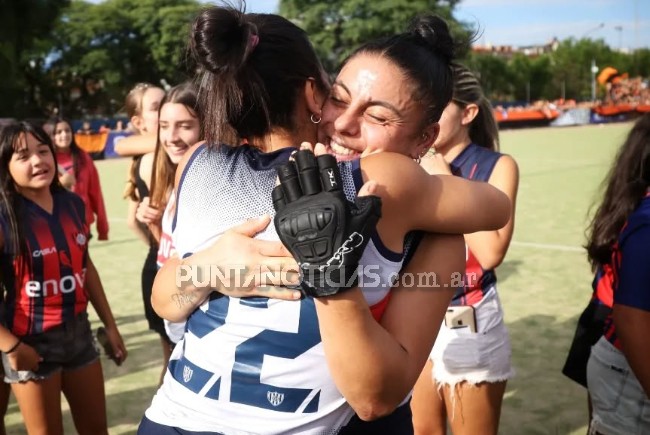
point(91, 143)
point(607, 74)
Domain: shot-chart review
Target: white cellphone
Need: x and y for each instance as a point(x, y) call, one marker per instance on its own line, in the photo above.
point(461, 316)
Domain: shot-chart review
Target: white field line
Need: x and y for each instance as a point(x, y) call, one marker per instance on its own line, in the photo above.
point(548, 246)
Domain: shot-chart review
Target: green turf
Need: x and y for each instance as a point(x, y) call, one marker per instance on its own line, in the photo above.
point(544, 283)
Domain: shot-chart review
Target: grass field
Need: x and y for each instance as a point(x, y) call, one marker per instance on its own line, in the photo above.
point(544, 283)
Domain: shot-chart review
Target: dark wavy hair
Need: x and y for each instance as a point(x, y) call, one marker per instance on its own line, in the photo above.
point(424, 53)
point(11, 207)
point(252, 68)
point(625, 186)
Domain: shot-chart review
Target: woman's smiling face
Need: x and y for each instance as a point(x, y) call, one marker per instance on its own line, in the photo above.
point(371, 109)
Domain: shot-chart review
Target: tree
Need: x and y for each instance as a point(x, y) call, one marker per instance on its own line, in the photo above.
point(337, 27)
point(494, 75)
point(571, 65)
point(103, 49)
point(22, 26)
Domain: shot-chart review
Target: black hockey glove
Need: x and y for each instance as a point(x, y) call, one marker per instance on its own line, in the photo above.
point(323, 230)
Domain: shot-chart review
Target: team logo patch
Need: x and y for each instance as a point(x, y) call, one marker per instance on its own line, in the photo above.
point(275, 398)
point(80, 239)
point(187, 374)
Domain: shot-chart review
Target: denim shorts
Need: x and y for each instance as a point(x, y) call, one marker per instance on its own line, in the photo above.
point(66, 347)
point(620, 406)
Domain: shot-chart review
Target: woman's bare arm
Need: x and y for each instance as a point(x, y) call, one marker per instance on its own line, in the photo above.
point(490, 247)
point(136, 145)
point(413, 199)
point(632, 329)
point(376, 365)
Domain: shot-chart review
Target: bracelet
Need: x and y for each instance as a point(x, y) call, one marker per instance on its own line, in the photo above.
point(14, 347)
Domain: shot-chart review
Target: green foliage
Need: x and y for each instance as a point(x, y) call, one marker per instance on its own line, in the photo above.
point(117, 43)
point(494, 74)
point(337, 27)
point(24, 26)
point(563, 72)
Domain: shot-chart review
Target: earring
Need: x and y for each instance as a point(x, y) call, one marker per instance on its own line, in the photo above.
point(418, 160)
point(315, 118)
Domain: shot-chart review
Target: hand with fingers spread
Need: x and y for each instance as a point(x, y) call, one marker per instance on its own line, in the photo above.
point(267, 269)
point(323, 230)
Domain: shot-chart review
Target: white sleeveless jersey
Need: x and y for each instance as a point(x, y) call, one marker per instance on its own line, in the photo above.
point(174, 330)
point(254, 365)
point(166, 246)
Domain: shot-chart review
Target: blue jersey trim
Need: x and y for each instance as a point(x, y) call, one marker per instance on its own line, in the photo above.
point(260, 161)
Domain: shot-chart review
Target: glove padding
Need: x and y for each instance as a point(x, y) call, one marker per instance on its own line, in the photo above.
point(324, 232)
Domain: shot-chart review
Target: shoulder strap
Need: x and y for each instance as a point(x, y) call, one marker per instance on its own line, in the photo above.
point(140, 185)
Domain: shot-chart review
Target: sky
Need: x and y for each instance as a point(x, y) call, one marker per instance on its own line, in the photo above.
point(532, 22)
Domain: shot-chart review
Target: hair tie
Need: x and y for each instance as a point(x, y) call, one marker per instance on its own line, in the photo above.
point(252, 42)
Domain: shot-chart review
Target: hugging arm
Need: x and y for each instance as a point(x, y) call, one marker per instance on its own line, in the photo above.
point(376, 365)
point(136, 145)
point(373, 365)
point(413, 199)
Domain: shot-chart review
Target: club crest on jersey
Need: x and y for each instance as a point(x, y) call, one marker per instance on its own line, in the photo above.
point(187, 374)
point(275, 398)
point(80, 239)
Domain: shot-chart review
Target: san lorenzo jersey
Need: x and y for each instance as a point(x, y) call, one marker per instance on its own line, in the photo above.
point(47, 288)
point(244, 366)
point(631, 266)
point(474, 163)
point(602, 285)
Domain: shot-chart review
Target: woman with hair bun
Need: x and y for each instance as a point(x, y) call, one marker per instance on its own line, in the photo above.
point(286, 362)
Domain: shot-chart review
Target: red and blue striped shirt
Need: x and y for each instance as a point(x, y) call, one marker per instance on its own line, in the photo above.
point(631, 266)
point(46, 287)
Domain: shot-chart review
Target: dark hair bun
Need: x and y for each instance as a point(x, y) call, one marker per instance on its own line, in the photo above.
point(433, 32)
point(220, 39)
